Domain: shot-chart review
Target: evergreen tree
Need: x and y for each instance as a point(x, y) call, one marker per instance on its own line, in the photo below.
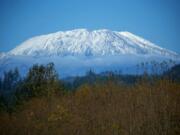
point(10, 80)
point(41, 81)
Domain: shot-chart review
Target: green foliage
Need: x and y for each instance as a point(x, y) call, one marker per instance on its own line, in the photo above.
point(173, 73)
point(105, 104)
point(8, 86)
point(41, 81)
point(101, 109)
point(10, 80)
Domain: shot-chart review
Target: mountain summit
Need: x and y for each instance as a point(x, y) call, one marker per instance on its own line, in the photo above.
point(81, 42)
point(75, 52)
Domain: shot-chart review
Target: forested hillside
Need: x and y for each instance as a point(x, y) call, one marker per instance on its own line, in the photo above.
point(97, 104)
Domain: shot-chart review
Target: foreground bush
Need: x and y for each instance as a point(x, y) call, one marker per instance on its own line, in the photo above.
point(100, 109)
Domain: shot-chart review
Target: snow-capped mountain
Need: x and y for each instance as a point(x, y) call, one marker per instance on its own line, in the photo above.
point(74, 52)
point(81, 42)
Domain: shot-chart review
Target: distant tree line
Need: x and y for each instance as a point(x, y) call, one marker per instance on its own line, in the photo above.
point(108, 103)
point(43, 80)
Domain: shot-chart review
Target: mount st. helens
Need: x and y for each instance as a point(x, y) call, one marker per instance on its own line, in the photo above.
point(74, 52)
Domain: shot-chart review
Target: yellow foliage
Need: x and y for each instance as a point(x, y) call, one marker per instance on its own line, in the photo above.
point(101, 109)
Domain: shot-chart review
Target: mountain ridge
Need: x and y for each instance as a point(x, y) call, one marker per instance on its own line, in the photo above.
point(77, 51)
point(89, 43)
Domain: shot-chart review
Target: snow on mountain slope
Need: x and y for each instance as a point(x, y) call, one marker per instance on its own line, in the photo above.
point(81, 42)
point(74, 52)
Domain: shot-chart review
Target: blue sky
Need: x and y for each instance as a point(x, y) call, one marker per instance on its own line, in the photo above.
point(155, 20)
